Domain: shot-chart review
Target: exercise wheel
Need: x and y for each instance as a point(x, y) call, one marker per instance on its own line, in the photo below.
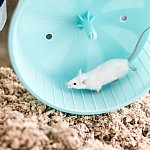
point(50, 40)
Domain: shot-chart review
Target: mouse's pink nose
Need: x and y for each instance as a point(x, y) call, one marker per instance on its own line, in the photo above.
point(68, 85)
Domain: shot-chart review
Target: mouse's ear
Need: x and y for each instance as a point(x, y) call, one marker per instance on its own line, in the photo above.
point(84, 79)
point(80, 72)
point(84, 82)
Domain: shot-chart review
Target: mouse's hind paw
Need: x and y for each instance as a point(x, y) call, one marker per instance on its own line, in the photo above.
point(133, 68)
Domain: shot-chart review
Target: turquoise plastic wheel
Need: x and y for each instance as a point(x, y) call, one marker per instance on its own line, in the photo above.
point(50, 40)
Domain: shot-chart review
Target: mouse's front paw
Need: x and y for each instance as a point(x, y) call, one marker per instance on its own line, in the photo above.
point(97, 91)
point(115, 81)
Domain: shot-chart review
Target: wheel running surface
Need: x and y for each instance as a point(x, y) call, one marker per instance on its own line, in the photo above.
point(50, 40)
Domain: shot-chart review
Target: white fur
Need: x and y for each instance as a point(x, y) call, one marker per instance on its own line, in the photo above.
point(103, 74)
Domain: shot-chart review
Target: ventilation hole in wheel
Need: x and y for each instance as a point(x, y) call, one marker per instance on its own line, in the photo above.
point(123, 18)
point(49, 36)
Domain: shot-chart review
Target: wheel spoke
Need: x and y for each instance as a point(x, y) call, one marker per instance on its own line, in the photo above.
point(115, 5)
point(52, 9)
point(125, 38)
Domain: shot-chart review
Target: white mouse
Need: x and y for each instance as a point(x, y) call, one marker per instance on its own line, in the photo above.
point(105, 73)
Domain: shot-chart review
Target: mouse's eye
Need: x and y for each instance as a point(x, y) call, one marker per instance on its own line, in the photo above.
point(74, 83)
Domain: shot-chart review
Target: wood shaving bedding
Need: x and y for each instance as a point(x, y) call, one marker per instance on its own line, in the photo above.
point(27, 124)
